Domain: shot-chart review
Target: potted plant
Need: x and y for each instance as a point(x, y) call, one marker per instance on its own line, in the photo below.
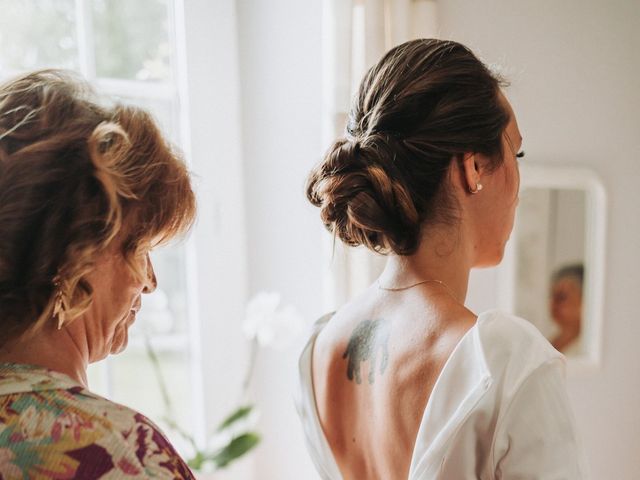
point(267, 324)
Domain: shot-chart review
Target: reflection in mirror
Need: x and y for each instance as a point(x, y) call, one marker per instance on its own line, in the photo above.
point(565, 307)
point(554, 266)
point(550, 262)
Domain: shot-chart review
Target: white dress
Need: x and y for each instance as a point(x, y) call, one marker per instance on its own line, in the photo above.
point(498, 410)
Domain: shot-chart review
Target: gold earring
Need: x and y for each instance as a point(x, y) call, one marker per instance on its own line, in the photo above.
point(58, 306)
point(478, 188)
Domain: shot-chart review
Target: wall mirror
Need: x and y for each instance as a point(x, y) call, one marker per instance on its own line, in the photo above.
point(554, 265)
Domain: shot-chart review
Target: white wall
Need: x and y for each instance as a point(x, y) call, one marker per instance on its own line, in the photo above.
point(574, 68)
point(280, 55)
point(219, 258)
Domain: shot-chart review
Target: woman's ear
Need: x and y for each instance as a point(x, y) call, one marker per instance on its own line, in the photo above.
point(471, 172)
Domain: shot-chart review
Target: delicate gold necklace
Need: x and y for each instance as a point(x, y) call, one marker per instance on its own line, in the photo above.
point(407, 287)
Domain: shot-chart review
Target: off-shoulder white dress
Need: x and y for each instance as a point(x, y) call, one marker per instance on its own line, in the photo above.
point(498, 410)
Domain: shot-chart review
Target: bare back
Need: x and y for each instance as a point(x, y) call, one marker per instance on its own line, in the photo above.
point(374, 367)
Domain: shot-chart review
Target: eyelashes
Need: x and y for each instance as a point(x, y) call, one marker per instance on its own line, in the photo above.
point(520, 154)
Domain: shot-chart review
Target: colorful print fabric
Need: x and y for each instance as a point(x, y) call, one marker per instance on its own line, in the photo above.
point(53, 428)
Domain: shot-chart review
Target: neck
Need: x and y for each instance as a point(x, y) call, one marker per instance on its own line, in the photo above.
point(567, 334)
point(50, 348)
point(442, 255)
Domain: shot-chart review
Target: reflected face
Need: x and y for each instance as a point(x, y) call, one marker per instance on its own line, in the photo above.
point(498, 199)
point(566, 302)
point(117, 299)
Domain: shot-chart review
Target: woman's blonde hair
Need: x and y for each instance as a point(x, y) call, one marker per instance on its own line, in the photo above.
point(73, 176)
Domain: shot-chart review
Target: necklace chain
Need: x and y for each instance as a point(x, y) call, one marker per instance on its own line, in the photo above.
point(407, 287)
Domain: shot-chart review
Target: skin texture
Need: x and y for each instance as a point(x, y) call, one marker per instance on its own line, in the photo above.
point(101, 330)
point(371, 425)
point(566, 310)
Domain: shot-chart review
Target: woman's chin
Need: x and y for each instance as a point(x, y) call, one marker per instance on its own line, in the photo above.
point(121, 335)
point(490, 261)
point(120, 340)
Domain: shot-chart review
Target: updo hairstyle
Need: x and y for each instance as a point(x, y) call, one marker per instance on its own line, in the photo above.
point(423, 105)
point(74, 176)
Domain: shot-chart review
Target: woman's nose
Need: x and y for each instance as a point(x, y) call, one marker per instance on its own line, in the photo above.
point(151, 282)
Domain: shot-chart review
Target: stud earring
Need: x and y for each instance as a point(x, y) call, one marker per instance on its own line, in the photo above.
point(478, 188)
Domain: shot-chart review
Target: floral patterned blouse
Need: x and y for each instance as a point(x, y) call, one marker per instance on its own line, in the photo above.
point(53, 428)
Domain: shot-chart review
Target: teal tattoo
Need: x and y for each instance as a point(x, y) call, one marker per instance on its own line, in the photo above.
point(368, 340)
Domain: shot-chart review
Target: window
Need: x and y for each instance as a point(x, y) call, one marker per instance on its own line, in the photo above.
point(126, 49)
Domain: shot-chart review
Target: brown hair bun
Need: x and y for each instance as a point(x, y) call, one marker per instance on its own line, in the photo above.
point(361, 200)
point(424, 104)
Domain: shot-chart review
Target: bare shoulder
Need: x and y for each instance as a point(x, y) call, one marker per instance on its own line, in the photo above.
point(339, 324)
point(333, 338)
point(422, 323)
point(459, 317)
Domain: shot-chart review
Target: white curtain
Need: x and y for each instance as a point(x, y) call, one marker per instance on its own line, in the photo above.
point(356, 33)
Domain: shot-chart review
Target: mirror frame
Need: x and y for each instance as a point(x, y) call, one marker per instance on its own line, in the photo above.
point(550, 176)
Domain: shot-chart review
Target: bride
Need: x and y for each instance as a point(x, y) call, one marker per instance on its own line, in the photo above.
point(405, 381)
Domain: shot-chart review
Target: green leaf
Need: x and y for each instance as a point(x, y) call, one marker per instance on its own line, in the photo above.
point(236, 448)
point(238, 414)
point(196, 462)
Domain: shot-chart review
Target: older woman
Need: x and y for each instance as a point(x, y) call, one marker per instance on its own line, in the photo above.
point(405, 381)
point(86, 192)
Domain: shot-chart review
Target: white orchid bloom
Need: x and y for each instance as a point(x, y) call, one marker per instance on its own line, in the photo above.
point(270, 325)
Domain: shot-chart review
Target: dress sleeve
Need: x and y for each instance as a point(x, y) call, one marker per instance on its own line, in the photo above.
point(536, 438)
